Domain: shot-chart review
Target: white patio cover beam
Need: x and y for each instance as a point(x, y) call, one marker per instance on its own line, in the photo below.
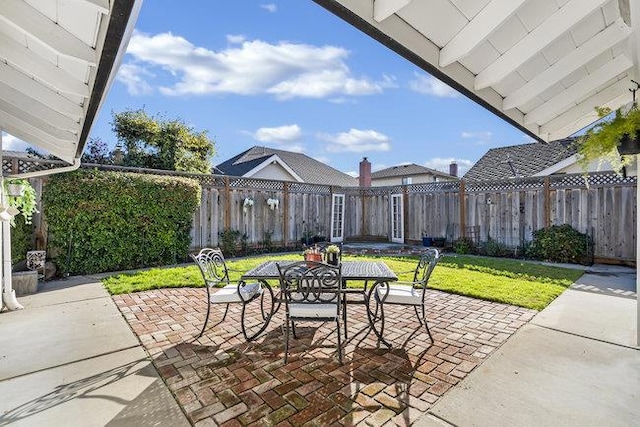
point(39, 92)
point(101, 6)
point(22, 16)
point(27, 116)
point(612, 35)
point(40, 110)
point(382, 9)
point(563, 100)
point(587, 119)
point(26, 132)
point(557, 24)
point(587, 107)
point(25, 59)
point(479, 29)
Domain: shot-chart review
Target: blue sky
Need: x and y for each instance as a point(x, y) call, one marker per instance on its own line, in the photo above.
point(290, 75)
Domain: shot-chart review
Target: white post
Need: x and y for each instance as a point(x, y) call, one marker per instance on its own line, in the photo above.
point(8, 294)
point(638, 248)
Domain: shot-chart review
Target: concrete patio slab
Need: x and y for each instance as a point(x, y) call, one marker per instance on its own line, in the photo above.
point(597, 316)
point(63, 331)
point(120, 388)
point(70, 358)
point(546, 377)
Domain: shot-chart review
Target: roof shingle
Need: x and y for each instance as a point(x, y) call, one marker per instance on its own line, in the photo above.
point(520, 161)
point(310, 170)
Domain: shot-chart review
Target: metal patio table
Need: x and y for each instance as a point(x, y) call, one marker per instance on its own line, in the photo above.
point(371, 272)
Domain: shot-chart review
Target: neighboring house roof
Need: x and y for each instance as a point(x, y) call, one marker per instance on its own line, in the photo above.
point(307, 169)
point(520, 161)
point(408, 170)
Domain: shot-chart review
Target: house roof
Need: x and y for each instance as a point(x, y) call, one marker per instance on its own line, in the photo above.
point(520, 161)
point(407, 170)
point(308, 169)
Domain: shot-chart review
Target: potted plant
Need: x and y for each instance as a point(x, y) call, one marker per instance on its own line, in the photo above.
point(312, 254)
point(248, 202)
point(332, 254)
point(19, 200)
point(614, 140)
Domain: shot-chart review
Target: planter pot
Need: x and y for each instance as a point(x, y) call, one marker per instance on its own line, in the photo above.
point(332, 258)
point(312, 257)
point(628, 145)
point(15, 190)
point(427, 241)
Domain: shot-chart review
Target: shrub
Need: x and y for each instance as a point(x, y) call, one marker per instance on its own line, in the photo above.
point(21, 234)
point(494, 248)
point(229, 241)
point(107, 221)
point(463, 246)
point(559, 243)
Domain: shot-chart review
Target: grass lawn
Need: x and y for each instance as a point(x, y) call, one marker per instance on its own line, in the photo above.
point(516, 282)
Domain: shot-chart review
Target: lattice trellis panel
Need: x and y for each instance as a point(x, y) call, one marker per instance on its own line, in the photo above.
point(300, 187)
point(593, 179)
point(434, 187)
point(258, 184)
point(504, 185)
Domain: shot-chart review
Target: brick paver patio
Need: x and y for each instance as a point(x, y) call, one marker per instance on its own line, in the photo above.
point(220, 379)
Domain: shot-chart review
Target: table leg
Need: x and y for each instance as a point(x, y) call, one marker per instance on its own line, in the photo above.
point(373, 317)
point(275, 306)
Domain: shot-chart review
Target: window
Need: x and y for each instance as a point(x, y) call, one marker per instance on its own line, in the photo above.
point(406, 181)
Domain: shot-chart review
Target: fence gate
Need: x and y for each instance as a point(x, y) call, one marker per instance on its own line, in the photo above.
point(337, 218)
point(397, 218)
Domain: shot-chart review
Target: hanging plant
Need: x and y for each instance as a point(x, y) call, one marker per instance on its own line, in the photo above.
point(273, 203)
point(24, 204)
point(248, 202)
point(615, 140)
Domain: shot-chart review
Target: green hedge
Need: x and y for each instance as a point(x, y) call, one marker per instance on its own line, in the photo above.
point(109, 221)
point(21, 235)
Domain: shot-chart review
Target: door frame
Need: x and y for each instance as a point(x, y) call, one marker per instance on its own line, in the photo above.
point(396, 217)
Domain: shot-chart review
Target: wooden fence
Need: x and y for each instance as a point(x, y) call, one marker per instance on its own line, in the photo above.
point(506, 211)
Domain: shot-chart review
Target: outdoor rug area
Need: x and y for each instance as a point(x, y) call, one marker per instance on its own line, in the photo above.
point(220, 379)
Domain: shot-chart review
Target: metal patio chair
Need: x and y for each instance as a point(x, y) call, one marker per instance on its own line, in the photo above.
point(407, 293)
point(214, 272)
point(311, 292)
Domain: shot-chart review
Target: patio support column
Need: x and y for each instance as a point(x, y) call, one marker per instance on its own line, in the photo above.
point(463, 211)
point(8, 294)
point(285, 211)
point(637, 249)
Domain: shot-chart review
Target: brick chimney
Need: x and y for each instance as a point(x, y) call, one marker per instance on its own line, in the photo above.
point(453, 169)
point(365, 173)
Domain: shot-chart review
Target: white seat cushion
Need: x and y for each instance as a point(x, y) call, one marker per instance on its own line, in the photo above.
point(313, 310)
point(401, 294)
point(229, 294)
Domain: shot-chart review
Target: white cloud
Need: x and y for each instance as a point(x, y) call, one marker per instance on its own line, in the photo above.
point(442, 164)
point(11, 143)
point(353, 174)
point(133, 77)
point(323, 159)
point(281, 134)
point(285, 70)
point(356, 141)
point(429, 85)
point(270, 7)
point(236, 38)
point(481, 137)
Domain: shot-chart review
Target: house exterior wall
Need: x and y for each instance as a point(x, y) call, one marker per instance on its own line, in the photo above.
point(596, 167)
point(274, 171)
point(415, 179)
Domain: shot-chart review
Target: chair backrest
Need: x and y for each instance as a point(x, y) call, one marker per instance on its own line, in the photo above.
point(308, 282)
point(212, 266)
point(426, 264)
